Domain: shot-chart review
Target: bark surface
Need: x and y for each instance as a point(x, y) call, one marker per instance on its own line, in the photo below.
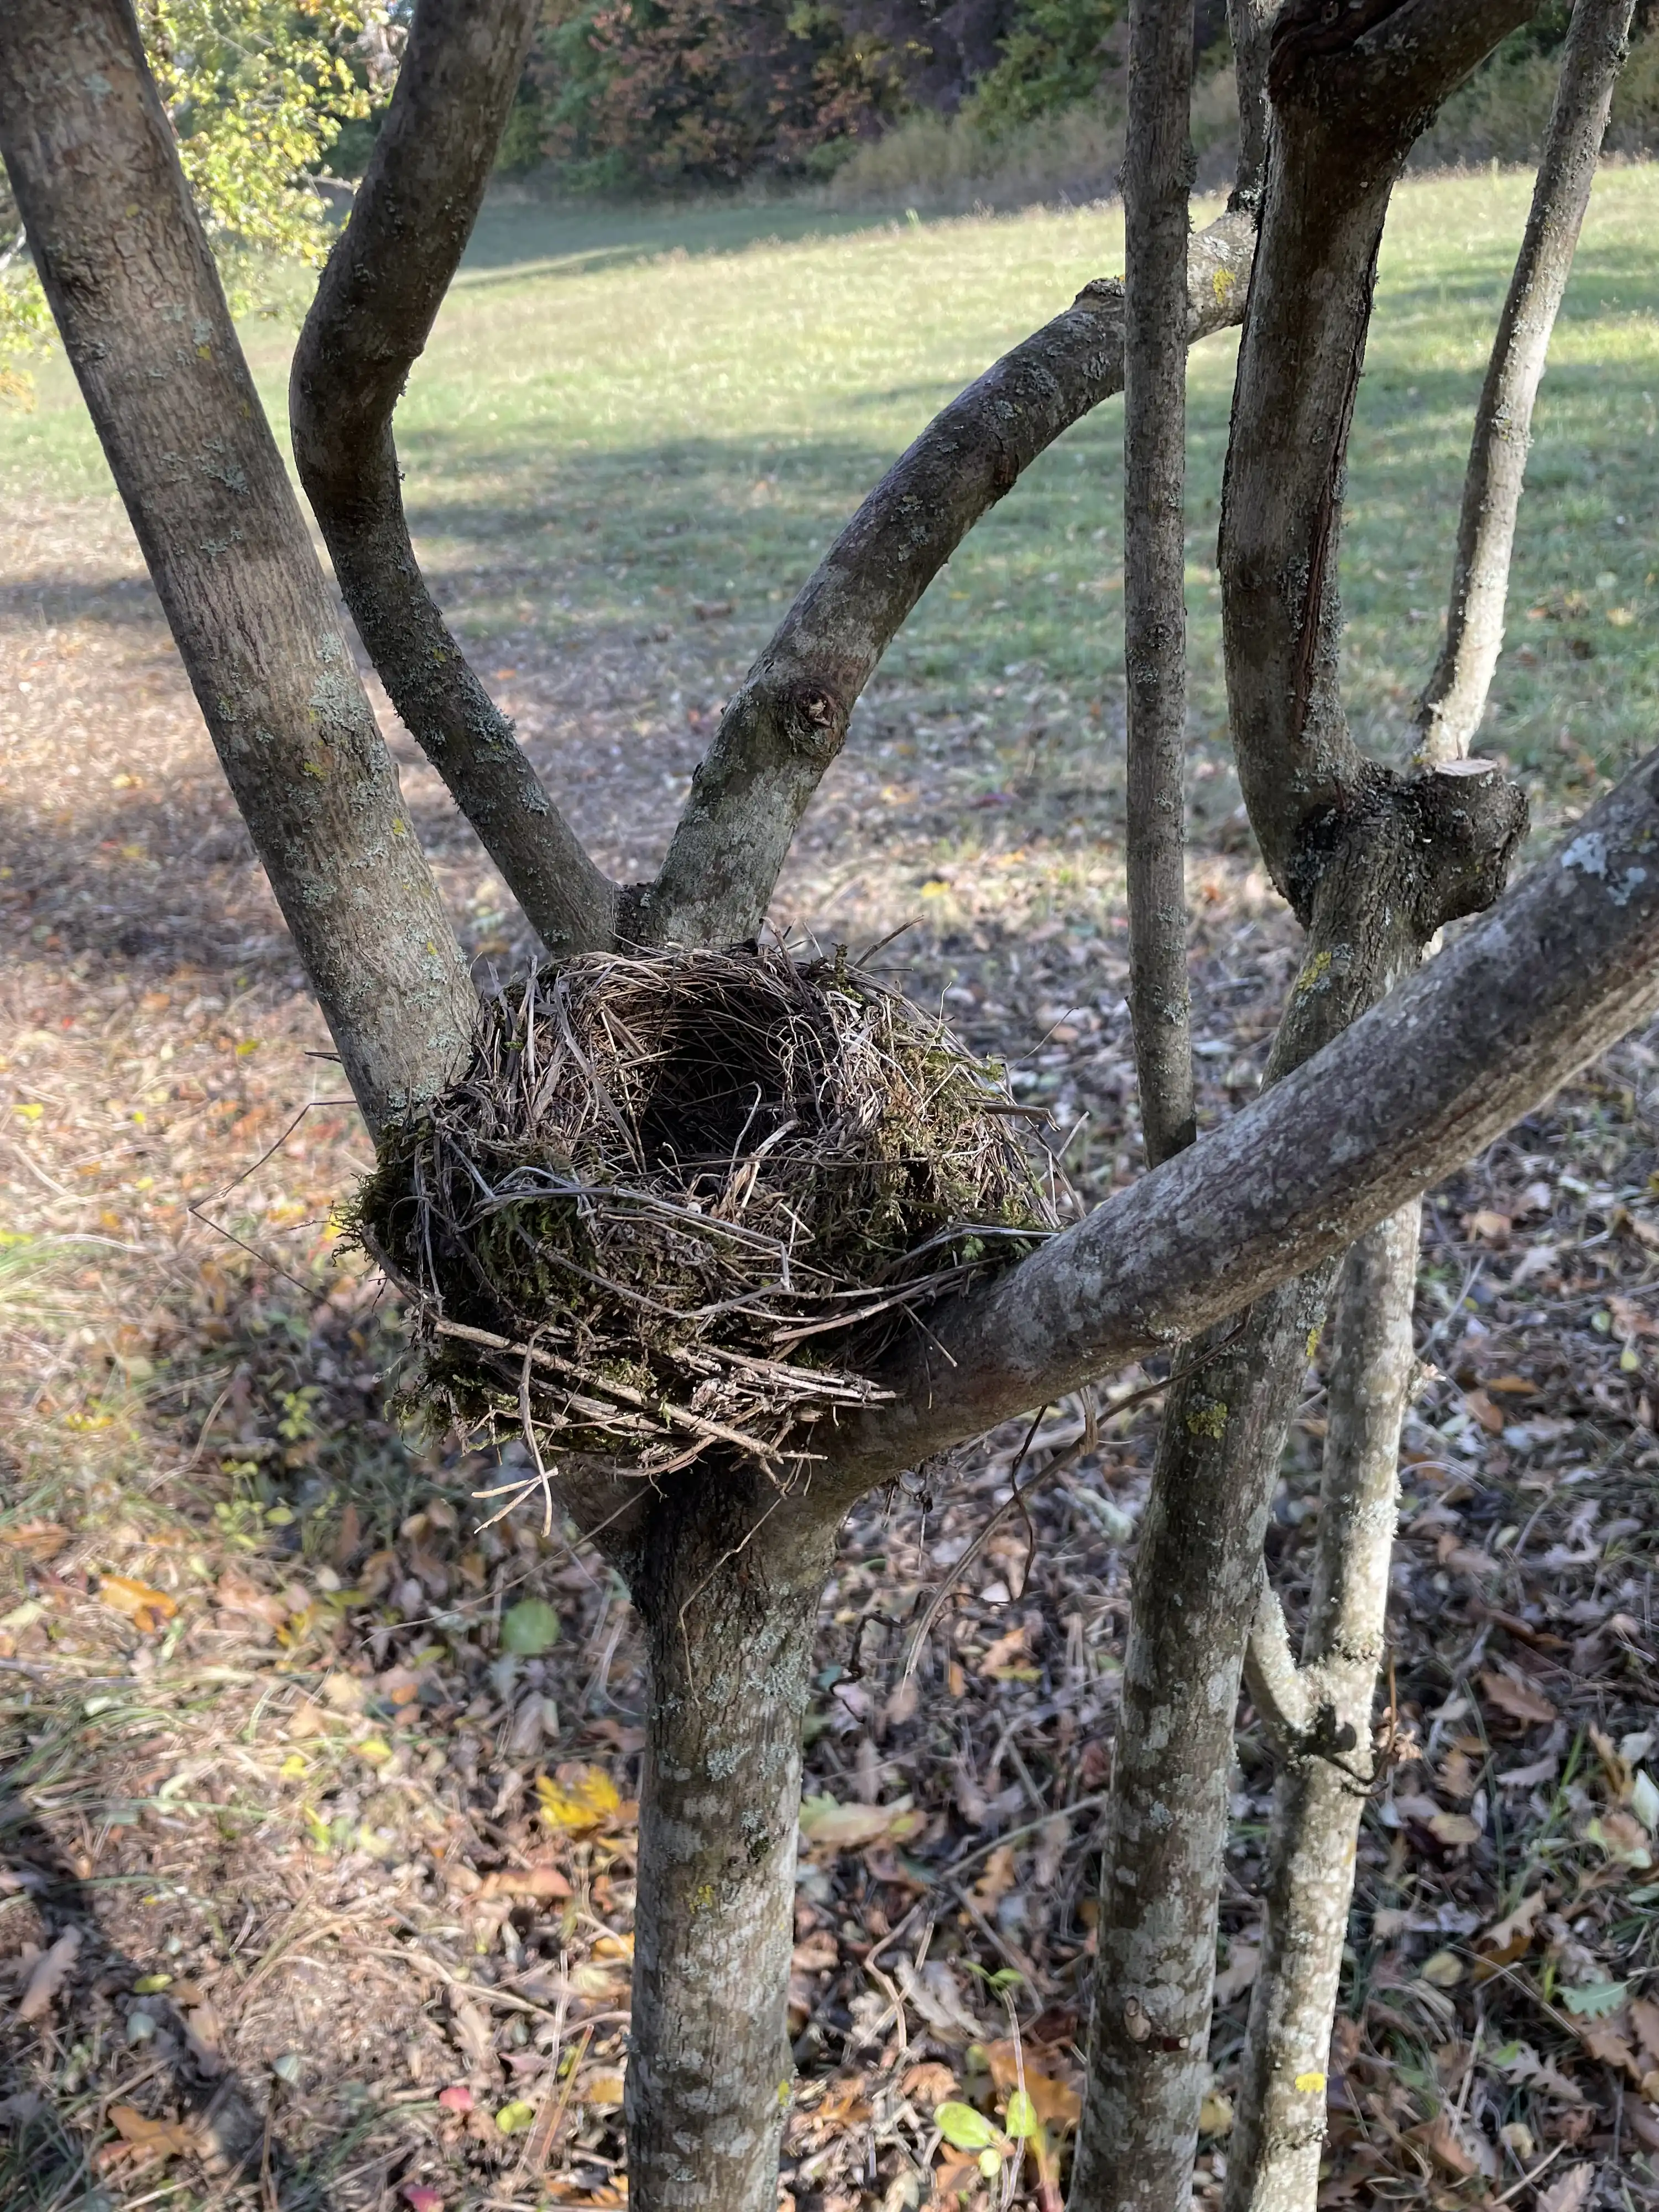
point(1455, 698)
point(729, 1619)
point(93, 163)
point(1321, 1716)
point(373, 314)
point(1157, 165)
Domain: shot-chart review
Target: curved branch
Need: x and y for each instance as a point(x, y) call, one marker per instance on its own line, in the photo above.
point(1558, 971)
point(786, 726)
point(1455, 698)
point(373, 312)
point(94, 165)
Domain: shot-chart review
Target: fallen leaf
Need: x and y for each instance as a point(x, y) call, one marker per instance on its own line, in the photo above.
point(1489, 1225)
point(819, 1952)
point(828, 1825)
point(145, 1607)
point(1645, 2019)
point(928, 2084)
point(51, 1970)
point(471, 2032)
point(1528, 1778)
point(172, 2138)
point(1215, 2114)
point(1511, 1938)
point(530, 1627)
point(1439, 2136)
point(998, 1879)
point(1055, 2103)
point(1516, 1698)
point(1594, 1999)
point(1482, 1409)
point(1453, 1829)
point(1569, 2191)
point(40, 1540)
point(575, 1798)
point(1007, 1659)
point(1239, 1974)
point(1605, 2044)
point(541, 1881)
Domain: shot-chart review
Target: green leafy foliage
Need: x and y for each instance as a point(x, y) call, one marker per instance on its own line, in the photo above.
point(258, 92)
point(666, 92)
point(1054, 57)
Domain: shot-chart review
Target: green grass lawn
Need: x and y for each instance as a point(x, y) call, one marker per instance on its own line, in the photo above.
point(623, 415)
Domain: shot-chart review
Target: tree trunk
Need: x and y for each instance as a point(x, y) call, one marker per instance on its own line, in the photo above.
point(94, 164)
point(1273, 2157)
point(1196, 1575)
point(729, 1621)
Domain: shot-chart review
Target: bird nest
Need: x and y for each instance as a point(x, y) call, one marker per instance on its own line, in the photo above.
point(687, 1202)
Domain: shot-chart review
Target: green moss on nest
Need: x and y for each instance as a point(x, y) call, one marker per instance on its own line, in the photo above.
point(692, 1199)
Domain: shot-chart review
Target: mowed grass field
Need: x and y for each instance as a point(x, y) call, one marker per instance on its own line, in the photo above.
point(621, 419)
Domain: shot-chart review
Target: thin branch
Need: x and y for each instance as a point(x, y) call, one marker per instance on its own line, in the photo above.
point(94, 166)
point(1454, 700)
point(373, 312)
point(1156, 169)
point(787, 723)
point(1250, 23)
point(1271, 1676)
point(1274, 2154)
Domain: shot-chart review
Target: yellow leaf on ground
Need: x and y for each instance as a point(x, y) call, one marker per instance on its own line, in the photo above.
point(146, 1608)
point(575, 1798)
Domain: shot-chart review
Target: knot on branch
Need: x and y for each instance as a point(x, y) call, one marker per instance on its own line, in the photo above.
point(1413, 852)
point(813, 724)
point(1467, 818)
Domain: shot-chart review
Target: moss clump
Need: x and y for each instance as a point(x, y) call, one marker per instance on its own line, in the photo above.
point(689, 1200)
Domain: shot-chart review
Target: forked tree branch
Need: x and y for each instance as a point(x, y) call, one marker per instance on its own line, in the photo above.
point(1352, 87)
point(1558, 971)
point(1455, 698)
point(1156, 170)
point(788, 722)
point(94, 166)
point(373, 312)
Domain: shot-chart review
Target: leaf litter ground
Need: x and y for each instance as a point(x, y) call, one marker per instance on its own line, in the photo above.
point(316, 1844)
